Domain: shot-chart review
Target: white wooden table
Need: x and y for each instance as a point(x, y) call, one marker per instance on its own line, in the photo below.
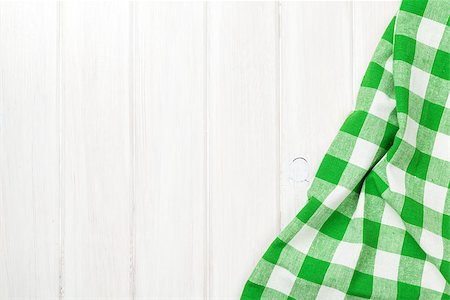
point(146, 148)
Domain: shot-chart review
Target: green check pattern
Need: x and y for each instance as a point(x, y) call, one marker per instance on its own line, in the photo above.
point(377, 221)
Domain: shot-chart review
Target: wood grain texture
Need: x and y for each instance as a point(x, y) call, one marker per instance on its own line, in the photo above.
point(243, 124)
point(370, 19)
point(316, 88)
point(96, 149)
point(145, 147)
point(29, 152)
point(170, 150)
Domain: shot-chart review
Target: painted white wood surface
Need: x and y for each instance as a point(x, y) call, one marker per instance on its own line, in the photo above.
point(316, 89)
point(29, 152)
point(370, 19)
point(96, 156)
point(170, 161)
point(146, 147)
point(243, 126)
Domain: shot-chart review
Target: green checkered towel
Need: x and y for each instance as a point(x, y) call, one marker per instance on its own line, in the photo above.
point(377, 221)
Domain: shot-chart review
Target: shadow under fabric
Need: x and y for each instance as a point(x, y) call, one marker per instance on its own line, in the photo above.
point(377, 221)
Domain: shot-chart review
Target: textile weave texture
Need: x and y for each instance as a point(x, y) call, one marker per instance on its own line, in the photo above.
point(377, 220)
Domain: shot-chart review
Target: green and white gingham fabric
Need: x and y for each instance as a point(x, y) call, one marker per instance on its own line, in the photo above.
point(377, 221)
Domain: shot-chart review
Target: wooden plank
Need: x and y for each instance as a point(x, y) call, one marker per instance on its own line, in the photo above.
point(316, 91)
point(29, 151)
point(96, 149)
point(170, 149)
point(370, 19)
point(243, 124)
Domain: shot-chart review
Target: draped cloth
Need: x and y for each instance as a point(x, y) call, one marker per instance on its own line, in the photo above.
point(377, 220)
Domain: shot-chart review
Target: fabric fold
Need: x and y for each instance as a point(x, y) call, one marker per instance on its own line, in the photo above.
point(377, 221)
